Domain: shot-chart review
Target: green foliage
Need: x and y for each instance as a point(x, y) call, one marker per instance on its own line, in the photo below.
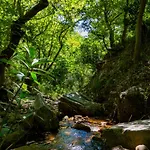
point(91, 52)
point(30, 64)
point(54, 53)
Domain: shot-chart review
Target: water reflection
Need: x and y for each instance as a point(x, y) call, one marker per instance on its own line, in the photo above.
point(72, 139)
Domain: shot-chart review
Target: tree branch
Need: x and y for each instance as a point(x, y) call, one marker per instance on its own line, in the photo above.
point(16, 31)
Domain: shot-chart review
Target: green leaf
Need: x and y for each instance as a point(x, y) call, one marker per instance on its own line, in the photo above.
point(22, 95)
point(34, 77)
point(25, 64)
point(27, 50)
point(32, 52)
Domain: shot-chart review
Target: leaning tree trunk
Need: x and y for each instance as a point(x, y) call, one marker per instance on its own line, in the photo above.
point(139, 31)
point(16, 34)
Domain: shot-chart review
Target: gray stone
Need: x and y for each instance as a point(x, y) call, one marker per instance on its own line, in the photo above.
point(119, 148)
point(129, 135)
point(141, 147)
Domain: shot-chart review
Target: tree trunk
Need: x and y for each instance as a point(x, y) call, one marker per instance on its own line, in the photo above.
point(16, 34)
point(139, 31)
point(125, 22)
point(108, 24)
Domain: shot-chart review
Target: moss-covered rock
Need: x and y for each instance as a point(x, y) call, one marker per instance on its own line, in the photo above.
point(131, 104)
point(43, 119)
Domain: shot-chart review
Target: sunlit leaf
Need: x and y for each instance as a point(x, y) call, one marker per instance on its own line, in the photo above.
point(40, 61)
point(34, 77)
point(24, 87)
point(35, 61)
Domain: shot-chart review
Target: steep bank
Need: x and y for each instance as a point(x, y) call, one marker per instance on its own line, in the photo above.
point(118, 73)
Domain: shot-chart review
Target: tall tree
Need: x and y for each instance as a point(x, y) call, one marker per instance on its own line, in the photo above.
point(108, 24)
point(139, 31)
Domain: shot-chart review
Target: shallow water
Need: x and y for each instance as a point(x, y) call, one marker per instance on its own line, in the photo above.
point(73, 139)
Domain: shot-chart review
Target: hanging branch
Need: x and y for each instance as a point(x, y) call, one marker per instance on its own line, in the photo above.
point(60, 38)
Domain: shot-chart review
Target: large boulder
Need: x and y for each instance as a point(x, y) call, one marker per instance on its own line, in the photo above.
point(129, 135)
point(76, 104)
point(131, 104)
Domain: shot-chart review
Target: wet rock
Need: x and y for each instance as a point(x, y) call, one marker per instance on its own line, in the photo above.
point(129, 135)
point(119, 148)
point(81, 126)
point(131, 105)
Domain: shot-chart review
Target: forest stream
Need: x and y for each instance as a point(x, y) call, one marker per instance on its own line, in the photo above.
point(66, 66)
point(75, 133)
